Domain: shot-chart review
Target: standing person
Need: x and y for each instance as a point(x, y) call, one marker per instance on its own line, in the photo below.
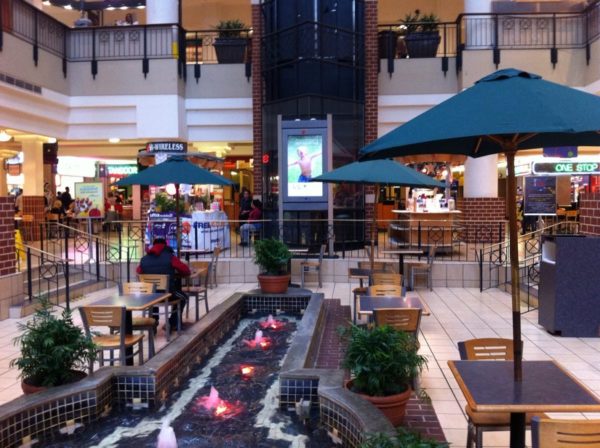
point(245, 205)
point(160, 259)
point(255, 215)
point(19, 201)
point(66, 199)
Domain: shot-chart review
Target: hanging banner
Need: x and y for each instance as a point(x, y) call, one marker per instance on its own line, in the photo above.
point(89, 200)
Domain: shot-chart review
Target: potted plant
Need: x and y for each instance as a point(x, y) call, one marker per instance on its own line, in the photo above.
point(383, 363)
point(422, 37)
point(402, 439)
point(54, 351)
point(272, 256)
point(230, 45)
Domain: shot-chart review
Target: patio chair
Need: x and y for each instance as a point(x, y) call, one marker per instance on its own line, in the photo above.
point(381, 278)
point(52, 229)
point(487, 349)
point(385, 290)
point(161, 284)
point(198, 291)
point(111, 317)
point(423, 269)
point(357, 292)
point(548, 432)
point(404, 319)
point(212, 269)
point(309, 266)
point(143, 323)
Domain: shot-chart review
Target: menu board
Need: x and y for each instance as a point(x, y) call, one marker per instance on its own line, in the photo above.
point(540, 195)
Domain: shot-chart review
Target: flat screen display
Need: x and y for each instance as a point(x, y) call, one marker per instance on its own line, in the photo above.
point(304, 161)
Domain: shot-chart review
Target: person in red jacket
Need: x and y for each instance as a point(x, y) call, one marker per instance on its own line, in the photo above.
point(160, 259)
point(253, 223)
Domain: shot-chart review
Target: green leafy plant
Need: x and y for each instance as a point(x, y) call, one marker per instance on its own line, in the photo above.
point(163, 204)
point(402, 439)
point(417, 22)
point(272, 256)
point(52, 347)
point(230, 28)
point(382, 360)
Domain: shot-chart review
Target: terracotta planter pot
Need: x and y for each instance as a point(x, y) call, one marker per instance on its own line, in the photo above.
point(29, 388)
point(274, 284)
point(392, 406)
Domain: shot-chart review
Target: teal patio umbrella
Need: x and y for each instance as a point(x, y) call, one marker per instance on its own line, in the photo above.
point(175, 170)
point(378, 172)
point(504, 112)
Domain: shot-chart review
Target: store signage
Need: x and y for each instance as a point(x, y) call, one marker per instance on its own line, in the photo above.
point(121, 170)
point(564, 152)
point(171, 147)
point(566, 168)
point(540, 195)
point(523, 170)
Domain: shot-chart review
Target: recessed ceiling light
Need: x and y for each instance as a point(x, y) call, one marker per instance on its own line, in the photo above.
point(110, 8)
point(114, 140)
point(68, 7)
point(141, 7)
point(124, 7)
point(51, 140)
point(5, 136)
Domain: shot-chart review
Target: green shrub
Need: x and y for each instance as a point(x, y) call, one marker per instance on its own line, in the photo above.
point(52, 347)
point(402, 439)
point(272, 256)
point(382, 360)
point(230, 28)
point(416, 22)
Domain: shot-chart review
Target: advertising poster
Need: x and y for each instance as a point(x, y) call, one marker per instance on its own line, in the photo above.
point(88, 201)
point(305, 161)
point(540, 195)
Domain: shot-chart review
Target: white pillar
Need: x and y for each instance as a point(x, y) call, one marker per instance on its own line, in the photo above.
point(33, 167)
point(162, 11)
point(479, 30)
point(481, 177)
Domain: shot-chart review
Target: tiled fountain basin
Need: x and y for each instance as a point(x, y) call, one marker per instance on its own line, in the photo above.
point(39, 416)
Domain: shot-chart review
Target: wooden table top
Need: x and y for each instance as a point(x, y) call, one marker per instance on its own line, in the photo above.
point(369, 303)
point(135, 301)
point(403, 252)
point(489, 386)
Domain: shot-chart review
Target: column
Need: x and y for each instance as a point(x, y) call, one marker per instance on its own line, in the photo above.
point(33, 188)
point(479, 30)
point(481, 207)
point(257, 97)
point(162, 11)
point(371, 98)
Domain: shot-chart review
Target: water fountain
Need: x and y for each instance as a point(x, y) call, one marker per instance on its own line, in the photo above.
point(166, 436)
point(216, 406)
point(259, 341)
point(272, 324)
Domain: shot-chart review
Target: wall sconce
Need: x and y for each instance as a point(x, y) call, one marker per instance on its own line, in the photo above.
point(5, 136)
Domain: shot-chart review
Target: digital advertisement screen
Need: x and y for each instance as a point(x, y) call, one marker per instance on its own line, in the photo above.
point(304, 161)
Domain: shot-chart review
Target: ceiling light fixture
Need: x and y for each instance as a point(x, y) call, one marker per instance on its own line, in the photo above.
point(5, 136)
point(51, 139)
point(46, 3)
point(114, 140)
point(68, 7)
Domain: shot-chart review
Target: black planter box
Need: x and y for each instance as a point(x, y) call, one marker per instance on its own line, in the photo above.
point(422, 44)
point(230, 50)
point(387, 43)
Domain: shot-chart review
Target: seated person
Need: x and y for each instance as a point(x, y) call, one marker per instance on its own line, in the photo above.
point(252, 224)
point(160, 259)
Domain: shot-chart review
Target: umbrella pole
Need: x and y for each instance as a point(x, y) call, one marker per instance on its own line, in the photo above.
point(514, 263)
point(374, 227)
point(177, 233)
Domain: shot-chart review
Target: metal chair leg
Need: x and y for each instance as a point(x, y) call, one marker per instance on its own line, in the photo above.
point(320, 281)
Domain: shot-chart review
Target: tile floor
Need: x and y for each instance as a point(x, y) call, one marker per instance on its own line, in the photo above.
point(457, 314)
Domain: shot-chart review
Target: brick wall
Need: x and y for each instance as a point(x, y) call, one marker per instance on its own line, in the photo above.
point(371, 91)
point(34, 205)
point(480, 218)
point(589, 213)
point(257, 97)
point(7, 236)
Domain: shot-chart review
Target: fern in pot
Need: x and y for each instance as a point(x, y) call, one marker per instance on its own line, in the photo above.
point(272, 256)
point(54, 351)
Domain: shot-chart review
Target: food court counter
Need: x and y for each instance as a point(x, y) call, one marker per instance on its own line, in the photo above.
point(424, 228)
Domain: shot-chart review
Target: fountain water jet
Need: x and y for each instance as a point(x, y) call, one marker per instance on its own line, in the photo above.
point(272, 324)
point(259, 341)
point(166, 437)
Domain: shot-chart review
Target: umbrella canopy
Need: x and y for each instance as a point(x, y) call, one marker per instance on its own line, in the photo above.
point(504, 112)
point(386, 172)
point(175, 170)
point(378, 172)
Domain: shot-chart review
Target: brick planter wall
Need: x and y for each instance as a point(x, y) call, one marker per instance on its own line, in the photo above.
point(589, 213)
point(7, 236)
point(480, 217)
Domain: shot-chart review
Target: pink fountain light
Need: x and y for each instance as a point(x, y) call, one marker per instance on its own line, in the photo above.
point(259, 341)
point(216, 406)
point(272, 324)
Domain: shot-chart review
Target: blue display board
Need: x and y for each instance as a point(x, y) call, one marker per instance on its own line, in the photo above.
point(540, 195)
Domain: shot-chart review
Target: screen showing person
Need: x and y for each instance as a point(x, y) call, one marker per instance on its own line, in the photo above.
point(305, 161)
